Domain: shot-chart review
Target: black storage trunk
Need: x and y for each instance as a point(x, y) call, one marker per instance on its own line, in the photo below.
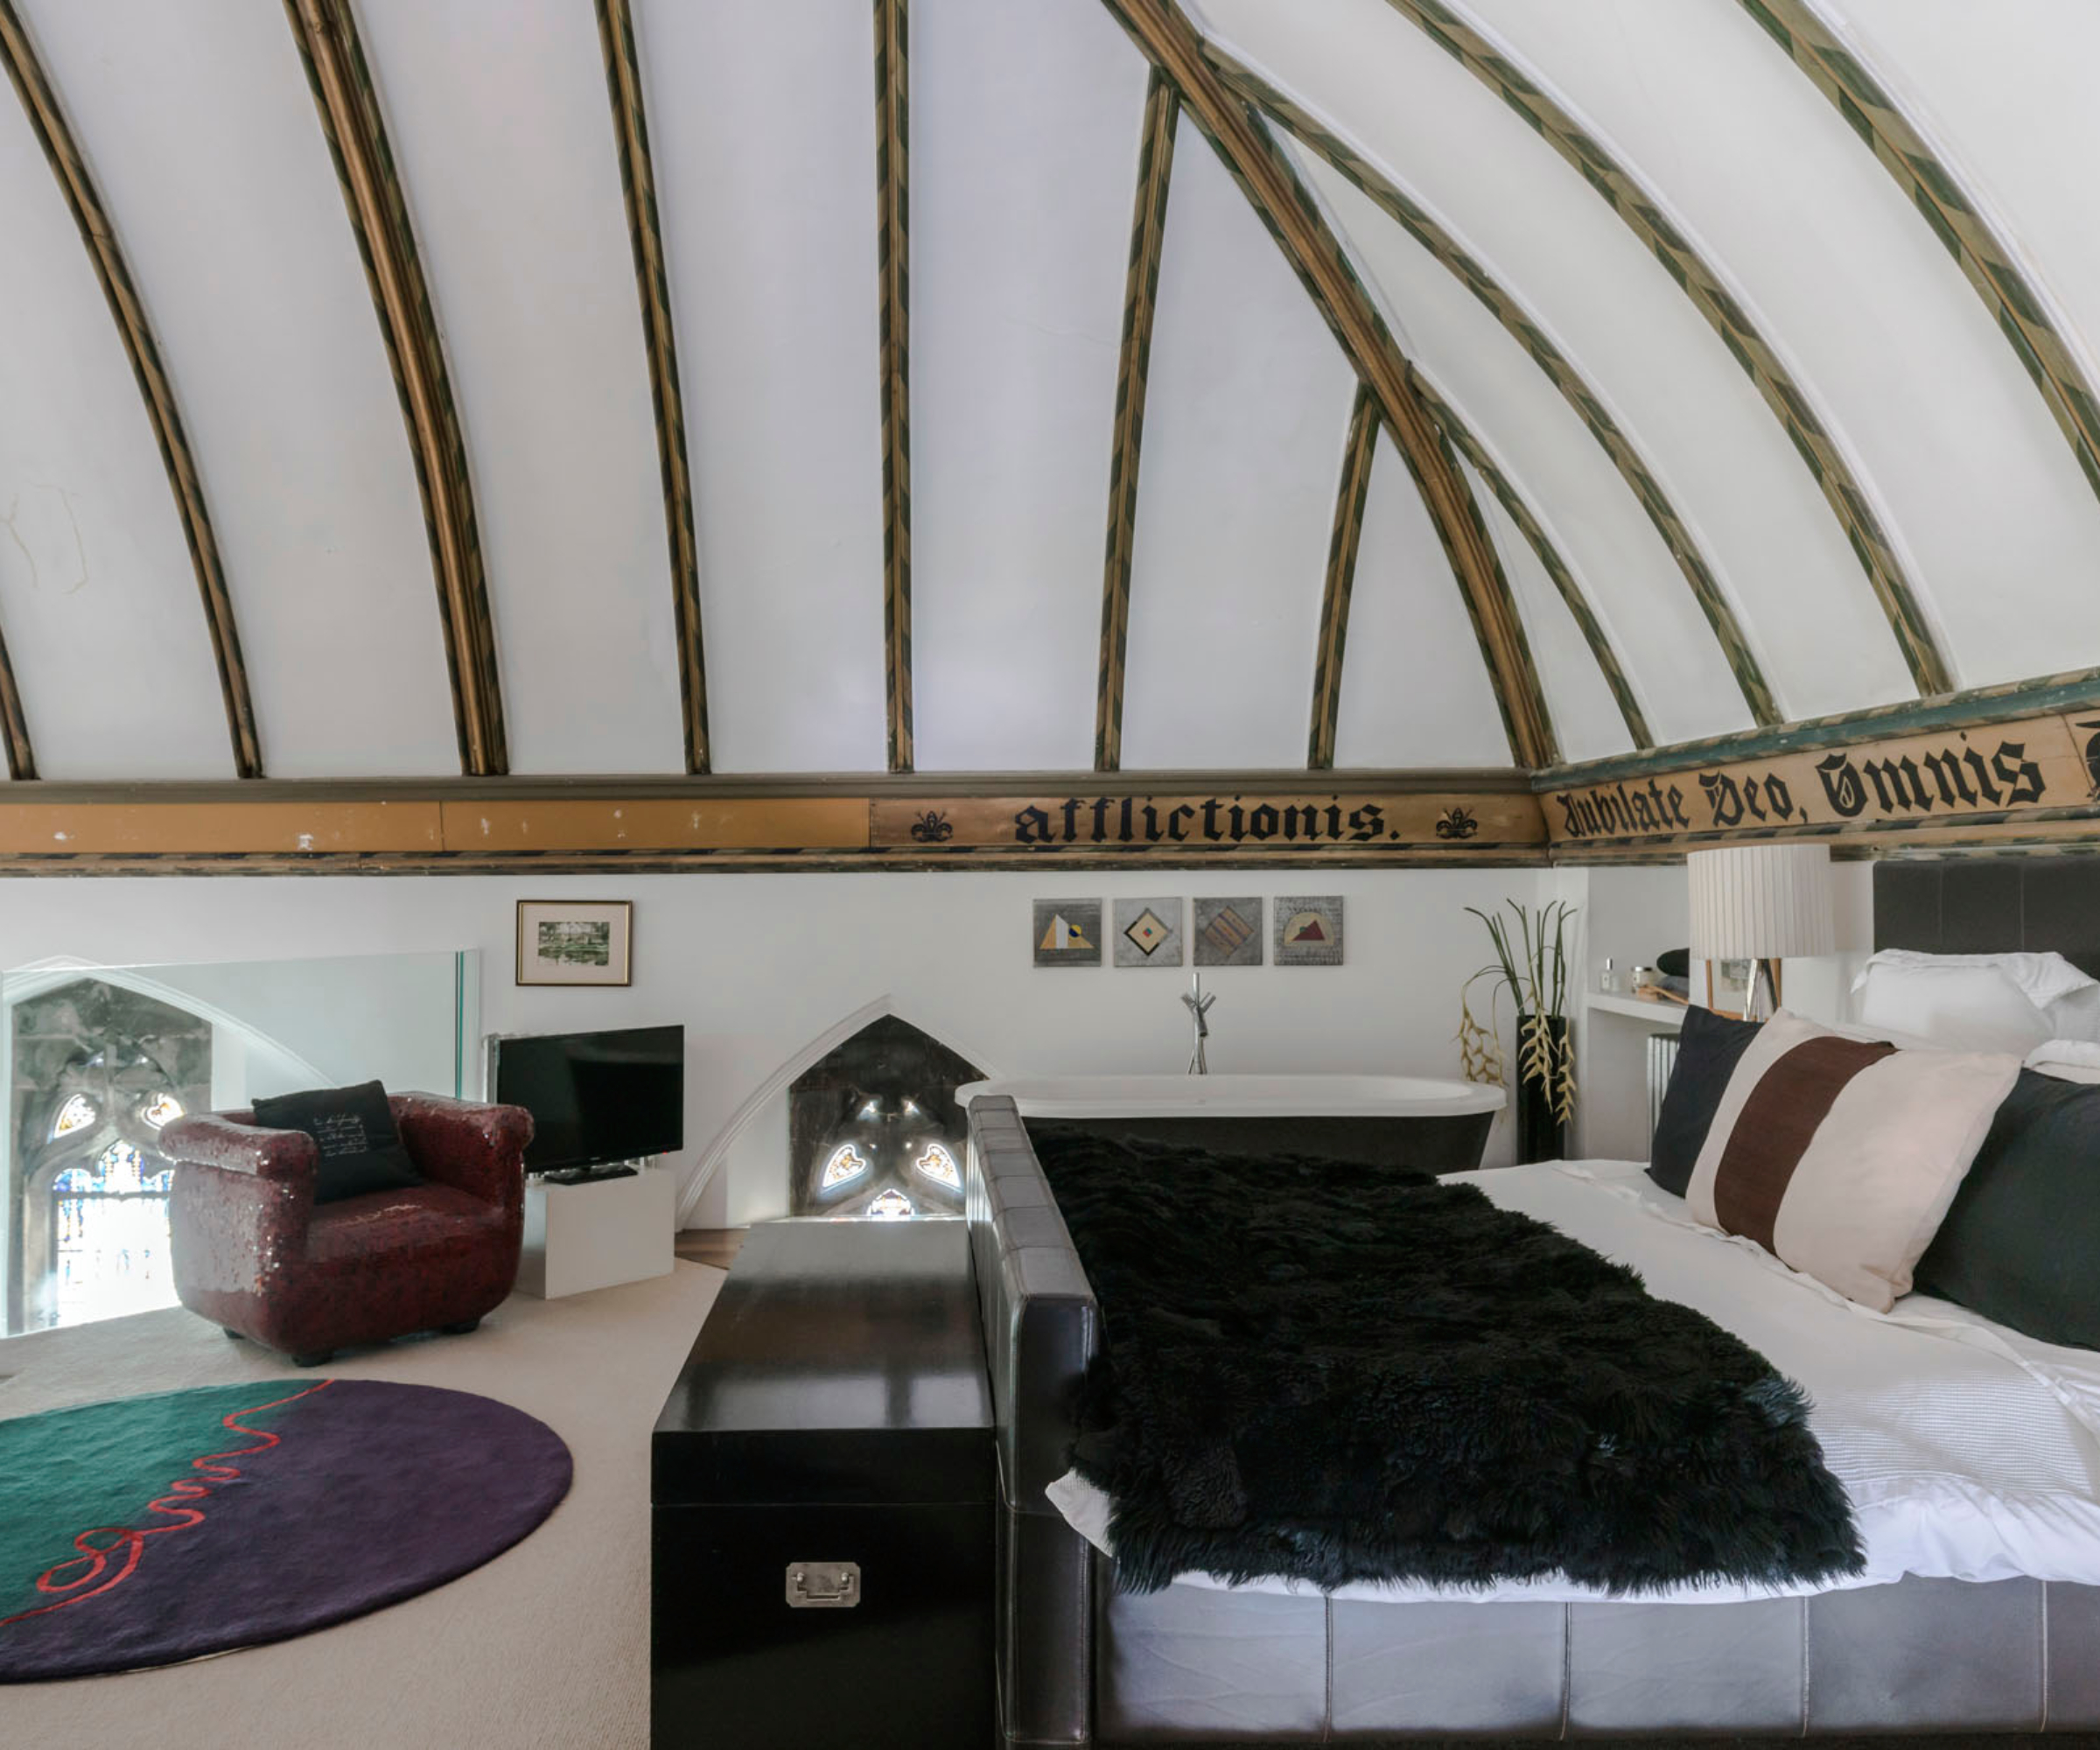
point(829, 1436)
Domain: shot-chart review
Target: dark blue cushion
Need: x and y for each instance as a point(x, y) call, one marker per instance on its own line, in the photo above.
point(1709, 1047)
point(361, 1146)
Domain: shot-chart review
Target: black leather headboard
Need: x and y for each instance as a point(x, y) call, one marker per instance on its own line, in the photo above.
point(1992, 905)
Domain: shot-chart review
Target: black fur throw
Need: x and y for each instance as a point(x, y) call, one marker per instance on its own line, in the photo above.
point(1343, 1372)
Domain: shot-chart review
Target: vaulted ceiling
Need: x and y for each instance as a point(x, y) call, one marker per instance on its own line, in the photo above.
point(396, 388)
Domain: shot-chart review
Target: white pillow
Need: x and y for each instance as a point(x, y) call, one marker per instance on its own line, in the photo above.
point(2068, 1060)
point(2068, 999)
point(1972, 1006)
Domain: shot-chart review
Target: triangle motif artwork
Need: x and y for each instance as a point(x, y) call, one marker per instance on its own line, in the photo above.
point(1062, 935)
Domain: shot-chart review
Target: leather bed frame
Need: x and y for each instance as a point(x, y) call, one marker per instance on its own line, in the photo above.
point(1081, 1665)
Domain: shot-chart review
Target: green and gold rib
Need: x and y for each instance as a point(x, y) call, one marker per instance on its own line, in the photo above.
point(1343, 545)
point(326, 32)
point(1278, 195)
point(47, 120)
point(892, 230)
point(1985, 259)
point(645, 233)
point(1140, 296)
point(1643, 214)
point(1527, 331)
point(1463, 439)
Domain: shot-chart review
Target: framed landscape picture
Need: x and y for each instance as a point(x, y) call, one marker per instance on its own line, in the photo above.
point(576, 942)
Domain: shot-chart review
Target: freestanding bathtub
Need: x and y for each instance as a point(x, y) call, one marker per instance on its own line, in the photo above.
point(1438, 1125)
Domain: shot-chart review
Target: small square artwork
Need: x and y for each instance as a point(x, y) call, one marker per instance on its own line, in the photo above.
point(1228, 932)
point(572, 941)
point(1148, 931)
point(1067, 932)
point(1308, 931)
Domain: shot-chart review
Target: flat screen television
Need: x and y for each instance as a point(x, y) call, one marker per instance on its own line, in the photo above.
point(595, 1098)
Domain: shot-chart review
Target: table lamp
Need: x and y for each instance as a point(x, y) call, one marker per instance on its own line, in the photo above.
point(1761, 903)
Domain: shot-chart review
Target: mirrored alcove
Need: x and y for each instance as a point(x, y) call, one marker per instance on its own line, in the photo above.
point(874, 1128)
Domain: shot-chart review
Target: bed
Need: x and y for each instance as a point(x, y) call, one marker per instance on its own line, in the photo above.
point(1971, 1454)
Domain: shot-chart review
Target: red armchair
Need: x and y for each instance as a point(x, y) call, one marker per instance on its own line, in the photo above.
point(255, 1254)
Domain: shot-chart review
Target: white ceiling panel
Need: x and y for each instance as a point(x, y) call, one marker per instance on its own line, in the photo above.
point(97, 600)
point(1436, 129)
point(502, 131)
point(1415, 689)
point(1024, 122)
point(1847, 274)
point(204, 139)
point(1549, 454)
point(1245, 413)
point(1586, 717)
point(763, 122)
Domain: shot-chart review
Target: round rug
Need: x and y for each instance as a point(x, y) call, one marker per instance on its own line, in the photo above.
point(147, 1530)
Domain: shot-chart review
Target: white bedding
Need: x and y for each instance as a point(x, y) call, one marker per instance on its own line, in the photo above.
point(1969, 1451)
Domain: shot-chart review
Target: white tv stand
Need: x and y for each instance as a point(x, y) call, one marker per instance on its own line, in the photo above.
point(578, 1237)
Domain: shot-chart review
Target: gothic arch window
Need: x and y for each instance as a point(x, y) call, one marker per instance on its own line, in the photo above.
point(874, 1128)
point(98, 1070)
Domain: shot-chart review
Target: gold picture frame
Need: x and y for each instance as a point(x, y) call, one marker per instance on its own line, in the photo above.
point(589, 942)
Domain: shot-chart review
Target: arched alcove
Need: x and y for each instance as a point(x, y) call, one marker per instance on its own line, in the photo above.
point(874, 1128)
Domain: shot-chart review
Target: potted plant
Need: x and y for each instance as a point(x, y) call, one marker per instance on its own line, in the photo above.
point(1531, 963)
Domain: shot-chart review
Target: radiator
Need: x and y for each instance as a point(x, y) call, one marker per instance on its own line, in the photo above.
point(1662, 1059)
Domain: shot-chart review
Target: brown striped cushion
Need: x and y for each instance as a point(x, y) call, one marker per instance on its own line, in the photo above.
point(1840, 1156)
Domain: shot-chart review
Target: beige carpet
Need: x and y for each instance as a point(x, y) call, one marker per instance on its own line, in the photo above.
point(547, 1646)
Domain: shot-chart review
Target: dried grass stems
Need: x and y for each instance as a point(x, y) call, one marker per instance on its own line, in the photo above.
point(1531, 963)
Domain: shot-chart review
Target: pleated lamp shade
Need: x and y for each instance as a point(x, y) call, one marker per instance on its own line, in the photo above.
point(1761, 902)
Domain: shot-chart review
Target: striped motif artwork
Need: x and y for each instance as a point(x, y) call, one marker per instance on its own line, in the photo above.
point(1228, 932)
point(1840, 1156)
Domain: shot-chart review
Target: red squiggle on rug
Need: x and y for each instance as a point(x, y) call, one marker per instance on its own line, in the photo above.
point(128, 1543)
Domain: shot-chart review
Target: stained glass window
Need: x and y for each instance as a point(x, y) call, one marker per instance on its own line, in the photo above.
point(891, 1206)
point(161, 1110)
point(938, 1164)
point(846, 1163)
point(110, 1236)
point(75, 1115)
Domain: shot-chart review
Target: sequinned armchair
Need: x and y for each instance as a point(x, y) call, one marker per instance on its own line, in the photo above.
point(253, 1252)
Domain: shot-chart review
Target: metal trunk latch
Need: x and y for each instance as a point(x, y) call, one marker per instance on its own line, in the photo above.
point(824, 1586)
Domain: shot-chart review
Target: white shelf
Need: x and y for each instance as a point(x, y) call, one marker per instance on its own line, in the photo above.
point(1640, 1008)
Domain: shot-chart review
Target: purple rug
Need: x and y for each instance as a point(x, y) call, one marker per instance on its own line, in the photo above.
point(147, 1530)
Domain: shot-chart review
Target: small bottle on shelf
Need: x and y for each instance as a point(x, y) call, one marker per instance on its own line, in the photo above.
point(1607, 981)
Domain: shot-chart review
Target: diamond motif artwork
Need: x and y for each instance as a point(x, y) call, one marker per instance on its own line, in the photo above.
point(1067, 933)
point(1228, 932)
point(1148, 933)
point(1308, 931)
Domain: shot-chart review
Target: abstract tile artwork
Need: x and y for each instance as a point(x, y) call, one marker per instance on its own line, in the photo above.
point(1148, 931)
point(1067, 932)
point(1308, 931)
point(1228, 932)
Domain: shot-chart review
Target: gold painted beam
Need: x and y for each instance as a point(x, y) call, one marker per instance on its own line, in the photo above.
point(1642, 213)
point(47, 120)
point(1463, 439)
point(1140, 298)
point(1525, 329)
point(1342, 543)
point(892, 233)
point(1272, 187)
point(1987, 260)
point(326, 33)
point(645, 231)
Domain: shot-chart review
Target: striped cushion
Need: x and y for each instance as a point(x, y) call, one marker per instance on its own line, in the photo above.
point(1840, 1156)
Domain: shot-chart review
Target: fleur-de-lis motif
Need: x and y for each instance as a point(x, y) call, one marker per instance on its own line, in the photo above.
point(1457, 823)
point(933, 827)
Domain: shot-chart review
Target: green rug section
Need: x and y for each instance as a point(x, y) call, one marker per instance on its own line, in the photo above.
point(68, 1471)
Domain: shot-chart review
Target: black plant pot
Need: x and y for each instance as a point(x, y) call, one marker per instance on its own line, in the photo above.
point(1541, 1133)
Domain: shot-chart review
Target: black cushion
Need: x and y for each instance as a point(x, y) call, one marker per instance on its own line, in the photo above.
point(2021, 1244)
point(362, 1150)
point(1709, 1047)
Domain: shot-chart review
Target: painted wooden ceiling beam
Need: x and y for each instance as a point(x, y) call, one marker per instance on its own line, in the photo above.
point(1350, 497)
point(1140, 300)
point(645, 232)
point(47, 120)
point(326, 33)
point(1525, 328)
point(1272, 187)
point(892, 232)
point(1468, 445)
point(1641, 212)
point(1986, 259)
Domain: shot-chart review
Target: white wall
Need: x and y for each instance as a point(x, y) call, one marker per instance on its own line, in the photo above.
point(758, 966)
